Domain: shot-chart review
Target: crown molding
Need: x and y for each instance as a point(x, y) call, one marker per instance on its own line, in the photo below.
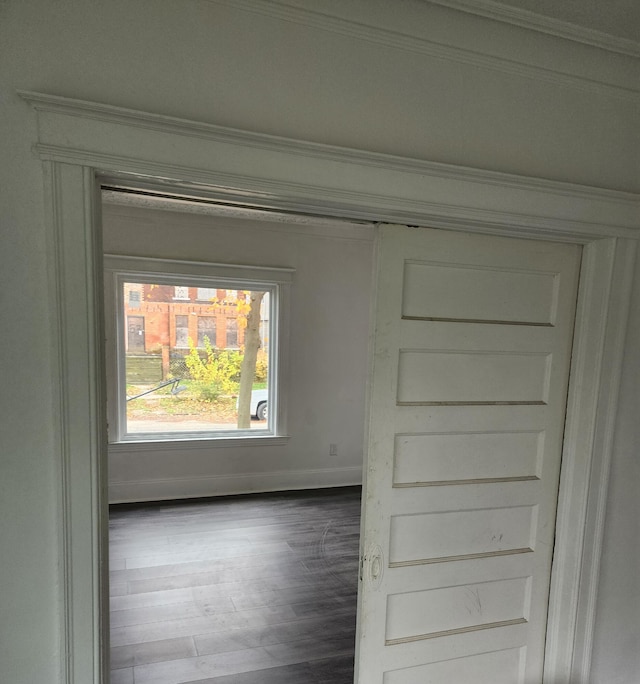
point(543, 24)
point(409, 43)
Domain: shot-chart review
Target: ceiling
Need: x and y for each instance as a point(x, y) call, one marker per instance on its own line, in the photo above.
point(620, 18)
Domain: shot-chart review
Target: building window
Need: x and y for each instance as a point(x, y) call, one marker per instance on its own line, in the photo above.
point(182, 331)
point(207, 294)
point(232, 333)
point(206, 330)
point(165, 384)
point(134, 299)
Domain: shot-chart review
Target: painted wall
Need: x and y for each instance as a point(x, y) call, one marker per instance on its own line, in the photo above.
point(329, 328)
point(421, 81)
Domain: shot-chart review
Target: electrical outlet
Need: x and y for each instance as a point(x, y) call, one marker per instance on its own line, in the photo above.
point(333, 449)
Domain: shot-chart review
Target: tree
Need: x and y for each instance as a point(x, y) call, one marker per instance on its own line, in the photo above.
point(248, 368)
point(216, 373)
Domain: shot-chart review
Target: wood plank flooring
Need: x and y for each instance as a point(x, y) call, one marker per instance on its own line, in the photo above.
point(256, 589)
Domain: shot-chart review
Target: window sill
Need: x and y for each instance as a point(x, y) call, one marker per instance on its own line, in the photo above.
point(171, 444)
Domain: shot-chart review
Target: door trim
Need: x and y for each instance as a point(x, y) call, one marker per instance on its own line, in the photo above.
point(80, 144)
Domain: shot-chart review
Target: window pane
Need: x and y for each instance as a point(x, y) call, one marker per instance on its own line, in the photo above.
point(180, 376)
point(206, 329)
point(182, 331)
point(207, 294)
point(232, 333)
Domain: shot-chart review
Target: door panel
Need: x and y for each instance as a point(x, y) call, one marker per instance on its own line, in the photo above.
point(471, 377)
point(448, 610)
point(434, 537)
point(467, 399)
point(475, 294)
point(462, 457)
point(502, 667)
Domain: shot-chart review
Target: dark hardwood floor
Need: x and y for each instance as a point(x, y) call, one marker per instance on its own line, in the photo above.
point(256, 589)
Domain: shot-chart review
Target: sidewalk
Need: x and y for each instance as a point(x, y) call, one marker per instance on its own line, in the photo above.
point(194, 425)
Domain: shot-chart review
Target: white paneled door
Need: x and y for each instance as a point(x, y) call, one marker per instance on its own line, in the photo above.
point(471, 363)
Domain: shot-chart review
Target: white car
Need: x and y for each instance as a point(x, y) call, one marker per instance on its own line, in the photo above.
point(258, 405)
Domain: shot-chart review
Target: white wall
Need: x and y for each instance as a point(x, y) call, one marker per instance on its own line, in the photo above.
point(494, 97)
point(329, 328)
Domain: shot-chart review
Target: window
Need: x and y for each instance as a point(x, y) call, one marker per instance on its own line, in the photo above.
point(232, 333)
point(179, 367)
point(207, 294)
point(134, 298)
point(182, 331)
point(206, 329)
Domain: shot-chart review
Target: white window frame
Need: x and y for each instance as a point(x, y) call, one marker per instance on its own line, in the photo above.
point(119, 270)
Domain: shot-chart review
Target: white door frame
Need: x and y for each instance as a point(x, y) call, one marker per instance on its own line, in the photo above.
point(78, 143)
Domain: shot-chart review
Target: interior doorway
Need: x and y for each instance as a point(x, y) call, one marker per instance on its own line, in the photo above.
point(177, 600)
point(509, 292)
point(312, 179)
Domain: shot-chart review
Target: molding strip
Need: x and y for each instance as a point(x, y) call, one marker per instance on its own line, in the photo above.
point(361, 206)
point(57, 301)
point(407, 43)
point(543, 24)
point(450, 632)
point(272, 143)
point(613, 347)
point(75, 303)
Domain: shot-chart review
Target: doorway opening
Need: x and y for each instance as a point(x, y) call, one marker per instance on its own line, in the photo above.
point(312, 179)
point(212, 565)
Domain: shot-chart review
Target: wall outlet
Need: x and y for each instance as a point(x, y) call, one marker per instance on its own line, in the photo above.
point(333, 449)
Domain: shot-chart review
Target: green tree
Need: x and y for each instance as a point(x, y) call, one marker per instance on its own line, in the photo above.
point(215, 374)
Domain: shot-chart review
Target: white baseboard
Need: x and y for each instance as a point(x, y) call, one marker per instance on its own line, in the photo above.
point(220, 485)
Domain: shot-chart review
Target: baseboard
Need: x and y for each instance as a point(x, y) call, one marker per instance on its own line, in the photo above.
point(221, 485)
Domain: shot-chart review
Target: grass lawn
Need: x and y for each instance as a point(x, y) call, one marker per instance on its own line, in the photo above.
point(186, 405)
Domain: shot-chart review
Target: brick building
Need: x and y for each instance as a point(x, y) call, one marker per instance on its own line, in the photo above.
point(167, 316)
